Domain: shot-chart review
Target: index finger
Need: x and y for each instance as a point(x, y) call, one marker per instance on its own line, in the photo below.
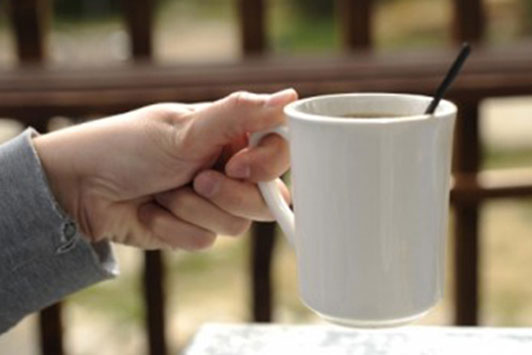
point(238, 114)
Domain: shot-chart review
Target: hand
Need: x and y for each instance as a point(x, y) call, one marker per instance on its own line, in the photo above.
point(168, 175)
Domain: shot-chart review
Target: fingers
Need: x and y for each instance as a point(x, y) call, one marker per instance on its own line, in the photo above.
point(238, 114)
point(267, 161)
point(188, 206)
point(173, 231)
point(239, 198)
point(199, 105)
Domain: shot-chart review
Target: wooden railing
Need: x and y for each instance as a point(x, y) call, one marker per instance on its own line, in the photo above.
point(33, 94)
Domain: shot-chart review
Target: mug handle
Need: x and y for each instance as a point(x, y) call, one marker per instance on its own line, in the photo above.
point(271, 193)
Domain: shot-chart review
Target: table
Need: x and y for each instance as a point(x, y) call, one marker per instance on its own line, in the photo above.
point(247, 339)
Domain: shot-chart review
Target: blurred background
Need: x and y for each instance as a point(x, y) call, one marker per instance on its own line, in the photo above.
point(213, 286)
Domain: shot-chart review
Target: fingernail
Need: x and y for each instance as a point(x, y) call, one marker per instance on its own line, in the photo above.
point(239, 171)
point(281, 97)
point(207, 185)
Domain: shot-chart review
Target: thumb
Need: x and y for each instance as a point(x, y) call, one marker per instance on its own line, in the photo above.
point(239, 113)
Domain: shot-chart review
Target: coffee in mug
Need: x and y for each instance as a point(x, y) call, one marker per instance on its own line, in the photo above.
point(371, 115)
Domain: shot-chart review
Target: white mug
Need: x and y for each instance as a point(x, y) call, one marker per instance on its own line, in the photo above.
point(371, 200)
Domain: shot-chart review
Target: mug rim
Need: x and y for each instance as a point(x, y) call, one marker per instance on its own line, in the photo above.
point(294, 112)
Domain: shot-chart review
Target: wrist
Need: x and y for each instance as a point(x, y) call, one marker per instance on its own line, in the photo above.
point(60, 173)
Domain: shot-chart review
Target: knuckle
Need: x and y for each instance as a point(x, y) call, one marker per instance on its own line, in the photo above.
point(202, 240)
point(155, 222)
point(155, 242)
point(165, 110)
point(242, 99)
point(147, 217)
point(239, 226)
point(183, 201)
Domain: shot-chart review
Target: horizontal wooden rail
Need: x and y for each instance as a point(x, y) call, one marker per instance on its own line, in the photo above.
point(493, 184)
point(267, 70)
point(26, 94)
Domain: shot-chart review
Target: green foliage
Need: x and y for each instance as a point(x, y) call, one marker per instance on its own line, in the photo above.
point(314, 8)
point(119, 299)
point(506, 158)
point(317, 35)
point(527, 17)
point(83, 9)
point(320, 8)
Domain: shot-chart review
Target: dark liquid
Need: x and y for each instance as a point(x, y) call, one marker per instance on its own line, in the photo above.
point(372, 115)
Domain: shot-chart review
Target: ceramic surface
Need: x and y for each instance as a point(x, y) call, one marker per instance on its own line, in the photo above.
point(370, 205)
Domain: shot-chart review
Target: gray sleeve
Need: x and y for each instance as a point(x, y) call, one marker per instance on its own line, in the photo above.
point(43, 257)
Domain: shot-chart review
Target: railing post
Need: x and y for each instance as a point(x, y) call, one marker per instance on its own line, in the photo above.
point(30, 20)
point(468, 20)
point(139, 24)
point(153, 281)
point(252, 26)
point(356, 20)
point(51, 330)
point(262, 243)
point(252, 29)
point(466, 228)
point(468, 25)
point(50, 320)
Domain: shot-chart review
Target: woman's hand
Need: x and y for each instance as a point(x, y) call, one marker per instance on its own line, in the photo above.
point(168, 175)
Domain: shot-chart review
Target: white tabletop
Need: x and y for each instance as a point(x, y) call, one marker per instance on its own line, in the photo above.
point(247, 339)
